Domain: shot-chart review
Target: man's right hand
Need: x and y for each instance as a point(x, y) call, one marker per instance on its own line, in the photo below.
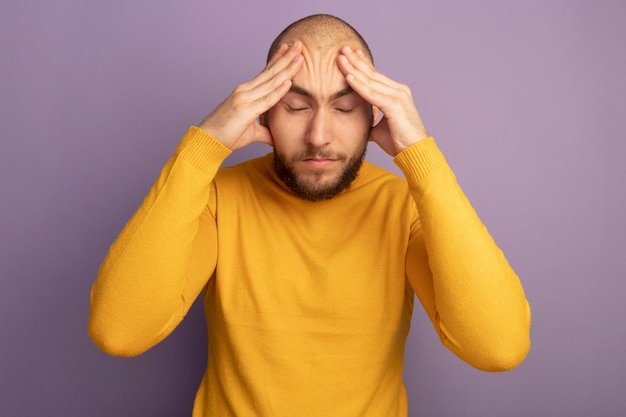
point(235, 121)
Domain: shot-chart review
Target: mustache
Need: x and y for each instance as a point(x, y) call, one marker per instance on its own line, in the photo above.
point(314, 153)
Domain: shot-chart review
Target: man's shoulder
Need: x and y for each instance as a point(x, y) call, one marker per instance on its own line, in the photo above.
point(380, 189)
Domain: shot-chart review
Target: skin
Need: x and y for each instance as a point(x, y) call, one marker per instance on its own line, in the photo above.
point(320, 127)
point(316, 106)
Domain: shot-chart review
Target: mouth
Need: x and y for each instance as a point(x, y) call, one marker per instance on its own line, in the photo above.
point(318, 163)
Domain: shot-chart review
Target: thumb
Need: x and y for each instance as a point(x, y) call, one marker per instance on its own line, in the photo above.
point(380, 132)
point(381, 135)
point(263, 135)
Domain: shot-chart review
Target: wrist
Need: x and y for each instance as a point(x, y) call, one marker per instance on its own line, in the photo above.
point(404, 143)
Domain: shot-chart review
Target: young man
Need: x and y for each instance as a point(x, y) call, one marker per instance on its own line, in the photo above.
point(309, 258)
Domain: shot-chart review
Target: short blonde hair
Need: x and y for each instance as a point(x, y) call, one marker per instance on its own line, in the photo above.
point(323, 29)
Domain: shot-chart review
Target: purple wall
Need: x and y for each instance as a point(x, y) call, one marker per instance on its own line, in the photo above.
point(527, 101)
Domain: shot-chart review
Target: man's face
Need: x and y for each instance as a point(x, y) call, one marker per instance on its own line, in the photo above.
point(320, 129)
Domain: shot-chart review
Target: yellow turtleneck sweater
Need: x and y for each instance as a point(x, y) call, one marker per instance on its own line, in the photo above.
point(308, 304)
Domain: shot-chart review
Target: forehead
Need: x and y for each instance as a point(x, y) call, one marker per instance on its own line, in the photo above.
point(320, 75)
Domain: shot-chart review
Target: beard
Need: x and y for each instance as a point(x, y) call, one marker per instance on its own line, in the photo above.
point(315, 188)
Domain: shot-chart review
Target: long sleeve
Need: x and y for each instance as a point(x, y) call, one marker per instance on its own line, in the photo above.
point(471, 294)
point(164, 255)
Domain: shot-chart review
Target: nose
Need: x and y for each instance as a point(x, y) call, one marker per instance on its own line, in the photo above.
point(319, 131)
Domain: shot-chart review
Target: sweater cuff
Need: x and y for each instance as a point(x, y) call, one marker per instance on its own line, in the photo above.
point(420, 160)
point(201, 149)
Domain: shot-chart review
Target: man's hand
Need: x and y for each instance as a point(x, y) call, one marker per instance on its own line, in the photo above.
point(235, 121)
point(401, 125)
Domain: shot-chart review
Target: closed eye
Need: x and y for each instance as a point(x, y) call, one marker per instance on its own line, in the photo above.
point(344, 110)
point(296, 109)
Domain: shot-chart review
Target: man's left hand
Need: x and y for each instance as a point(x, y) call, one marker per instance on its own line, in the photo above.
point(401, 125)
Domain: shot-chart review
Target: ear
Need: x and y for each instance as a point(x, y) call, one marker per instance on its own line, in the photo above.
point(264, 119)
point(377, 115)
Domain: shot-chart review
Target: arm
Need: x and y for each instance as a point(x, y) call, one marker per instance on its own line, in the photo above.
point(150, 277)
point(167, 252)
point(472, 296)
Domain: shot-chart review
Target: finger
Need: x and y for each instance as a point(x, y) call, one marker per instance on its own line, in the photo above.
point(280, 62)
point(357, 63)
point(268, 93)
point(263, 135)
point(361, 62)
point(361, 79)
point(248, 102)
point(374, 87)
point(371, 90)
point(279, 52)
point(379, 130)
point(285, 49)
point(356, 60)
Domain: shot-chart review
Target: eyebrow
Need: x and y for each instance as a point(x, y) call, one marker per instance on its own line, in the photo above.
point(303, 92)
